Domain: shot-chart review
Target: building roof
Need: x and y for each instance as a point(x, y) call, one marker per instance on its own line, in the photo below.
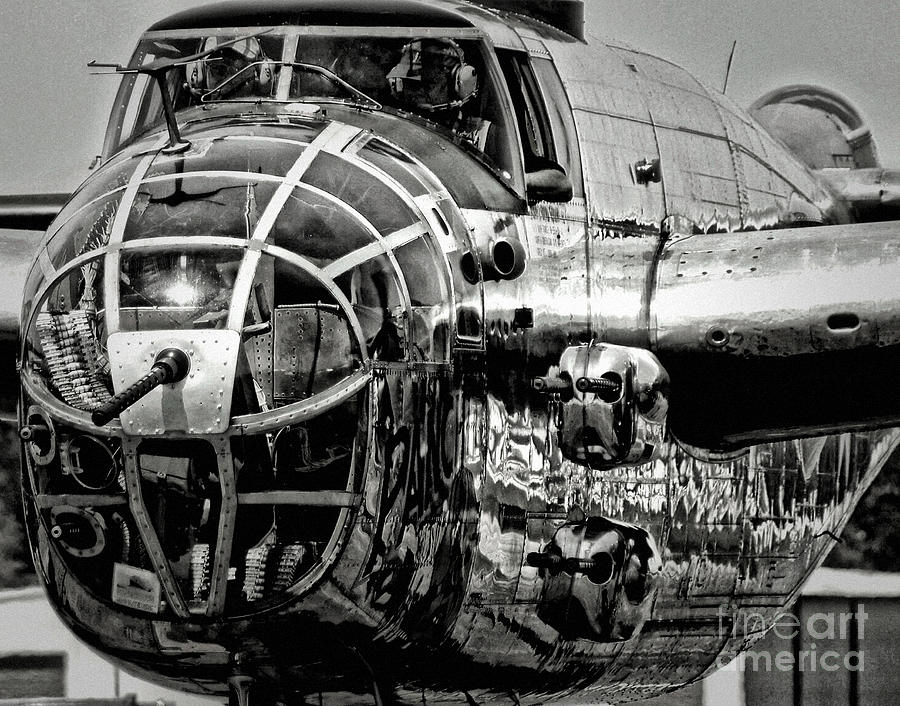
point(852, 583)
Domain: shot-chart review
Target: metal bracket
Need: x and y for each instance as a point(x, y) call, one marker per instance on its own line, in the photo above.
point(645, 171)
point(616, 404)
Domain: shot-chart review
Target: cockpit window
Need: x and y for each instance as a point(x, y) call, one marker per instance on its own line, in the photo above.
point(450, 84)
point(242, 69)
point(234, 69)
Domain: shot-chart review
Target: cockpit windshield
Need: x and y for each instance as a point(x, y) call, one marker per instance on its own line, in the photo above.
point(449, 83)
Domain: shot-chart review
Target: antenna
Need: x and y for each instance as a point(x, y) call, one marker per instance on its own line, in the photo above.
point(728, 68)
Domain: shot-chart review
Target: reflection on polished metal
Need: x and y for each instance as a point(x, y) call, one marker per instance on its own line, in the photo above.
point(617, 413)
point(420, 427)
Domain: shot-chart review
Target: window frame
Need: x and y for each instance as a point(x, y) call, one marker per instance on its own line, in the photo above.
point(564, 132)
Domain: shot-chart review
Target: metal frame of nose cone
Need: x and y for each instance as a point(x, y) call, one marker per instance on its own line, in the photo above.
point(171, 365)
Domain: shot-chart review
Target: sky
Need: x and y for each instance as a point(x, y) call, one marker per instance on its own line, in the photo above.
point(53, 112)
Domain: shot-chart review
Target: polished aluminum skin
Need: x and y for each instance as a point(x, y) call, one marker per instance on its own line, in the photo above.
point(440, 440)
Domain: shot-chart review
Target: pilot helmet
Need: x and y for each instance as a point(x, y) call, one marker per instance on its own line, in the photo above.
point(433, 75)
point(210, 72)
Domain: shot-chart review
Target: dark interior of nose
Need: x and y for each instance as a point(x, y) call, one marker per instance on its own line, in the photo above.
point(297, 344)
point(310, 462)
point(287, 491)
point(272, 545)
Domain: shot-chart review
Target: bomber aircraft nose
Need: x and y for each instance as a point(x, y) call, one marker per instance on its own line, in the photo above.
point(203, 334)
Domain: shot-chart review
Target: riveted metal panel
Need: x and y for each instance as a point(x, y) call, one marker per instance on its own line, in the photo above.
point(201, 403)
point(535, 46)
point(659, 70)
point(783, 292)
point(312, 345)
point(776, 184)
point(719, 169)
point(700, 182)
point(611, 146)
point(261, 360)
point(698, 166)
point(291, 330)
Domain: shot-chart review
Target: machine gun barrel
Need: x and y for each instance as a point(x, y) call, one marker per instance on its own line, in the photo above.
point(171, 365)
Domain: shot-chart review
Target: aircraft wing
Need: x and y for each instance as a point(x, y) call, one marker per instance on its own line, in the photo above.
point(30, 211)
point(872, 194)
point(780, 333)
point(18, 248)
point(20, 217)
point(22, 220)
